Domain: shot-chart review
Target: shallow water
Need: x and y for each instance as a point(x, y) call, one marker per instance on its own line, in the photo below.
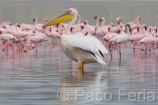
point(35, 78)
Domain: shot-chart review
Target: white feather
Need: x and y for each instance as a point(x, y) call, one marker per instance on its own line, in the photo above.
point(100, 60)
point(88, 43)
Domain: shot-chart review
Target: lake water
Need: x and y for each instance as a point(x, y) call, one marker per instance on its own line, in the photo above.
point(24, 12)
point(36, 78)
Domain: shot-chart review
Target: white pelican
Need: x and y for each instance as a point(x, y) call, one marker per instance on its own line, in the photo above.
point(80, 48)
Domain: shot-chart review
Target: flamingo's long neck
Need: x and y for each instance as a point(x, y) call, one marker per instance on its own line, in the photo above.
point(128, 32)
point(36, 22)
point(137, 22)
point(47, 31)
point(103, 23)
point(144, 34)
point(118, 23)
point(67, 30)
point(97, 22)
point(16, 28)
point(154, 34)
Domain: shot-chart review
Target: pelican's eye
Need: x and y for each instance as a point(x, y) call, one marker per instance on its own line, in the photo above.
point(69, 11)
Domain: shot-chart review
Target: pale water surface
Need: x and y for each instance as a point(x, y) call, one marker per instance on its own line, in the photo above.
point(24, 12)
point(35, 78)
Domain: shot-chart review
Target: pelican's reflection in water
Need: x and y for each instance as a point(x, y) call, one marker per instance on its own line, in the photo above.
point(83, 87)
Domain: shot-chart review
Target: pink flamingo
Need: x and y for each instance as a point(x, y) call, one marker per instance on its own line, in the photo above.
point(147, 41)
point(38, 26)
point(118, 27)
point(60, 28)
point(105, 29)
point(34, 39)
point(135, 24)
point(79, 26)
point(35, 20)
point(8, 38)
point(137, 37)
point(135, 31)
point(122, 38)
point(99, 29)
point(27, 27)
point(52, 33)
point(91, 29)
point(156, 42)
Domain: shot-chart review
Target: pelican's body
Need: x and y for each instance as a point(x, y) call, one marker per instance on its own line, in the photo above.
point(80, 48)
point(76, 54)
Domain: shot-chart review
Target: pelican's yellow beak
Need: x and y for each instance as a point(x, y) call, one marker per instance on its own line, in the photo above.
point(59, 19)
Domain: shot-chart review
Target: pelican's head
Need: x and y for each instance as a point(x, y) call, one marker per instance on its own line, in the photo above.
point(68, 15)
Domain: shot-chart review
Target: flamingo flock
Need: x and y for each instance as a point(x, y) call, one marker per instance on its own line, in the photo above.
point(25, 37)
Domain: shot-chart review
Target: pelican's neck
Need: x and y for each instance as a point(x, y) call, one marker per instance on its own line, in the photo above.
point(77, 26)
point(67, 30)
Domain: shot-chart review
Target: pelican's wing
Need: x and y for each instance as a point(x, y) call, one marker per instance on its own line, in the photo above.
point(88, 43)
point(98, 44)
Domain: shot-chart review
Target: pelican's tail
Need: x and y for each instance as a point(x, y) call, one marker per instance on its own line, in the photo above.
point(98, 59)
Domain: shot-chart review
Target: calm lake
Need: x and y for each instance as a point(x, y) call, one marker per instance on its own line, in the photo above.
point(51, 78)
